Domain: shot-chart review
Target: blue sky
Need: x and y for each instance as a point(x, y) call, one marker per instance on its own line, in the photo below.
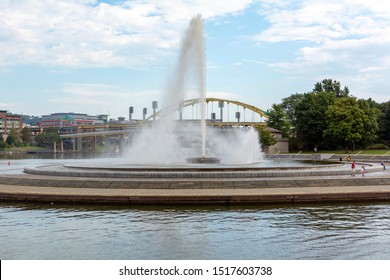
point(100, 57)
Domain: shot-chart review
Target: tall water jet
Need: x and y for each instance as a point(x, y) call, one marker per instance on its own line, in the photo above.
point(199, 46)
point(202, 78)
point(192, 52)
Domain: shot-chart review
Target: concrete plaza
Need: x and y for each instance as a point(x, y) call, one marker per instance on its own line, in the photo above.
point(374, 186)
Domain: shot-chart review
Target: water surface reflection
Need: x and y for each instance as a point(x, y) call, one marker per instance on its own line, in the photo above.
point(334, 231)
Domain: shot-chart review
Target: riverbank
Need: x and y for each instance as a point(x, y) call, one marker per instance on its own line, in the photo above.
point(273, 195)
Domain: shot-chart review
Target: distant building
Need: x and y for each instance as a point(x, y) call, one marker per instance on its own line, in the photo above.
point(9, 121)
point(103, 118)
point(60, 120)
point(121, 120)
point(281, 145)
point(34, 129)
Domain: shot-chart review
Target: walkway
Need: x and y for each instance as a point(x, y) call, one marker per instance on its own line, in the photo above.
point(353, 189)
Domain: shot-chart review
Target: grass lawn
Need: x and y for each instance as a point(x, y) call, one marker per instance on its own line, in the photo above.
point(360, 152)
point(22, 149)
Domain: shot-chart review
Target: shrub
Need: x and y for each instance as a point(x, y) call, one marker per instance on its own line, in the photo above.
point(378, 146)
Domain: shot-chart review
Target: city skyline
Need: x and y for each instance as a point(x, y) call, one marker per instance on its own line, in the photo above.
point(100, 57)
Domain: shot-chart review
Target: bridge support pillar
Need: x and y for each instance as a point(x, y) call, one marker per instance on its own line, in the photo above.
point(106, 144)
point(94, 144)
point(79, 140)
point(121, 144)
point(79, 144)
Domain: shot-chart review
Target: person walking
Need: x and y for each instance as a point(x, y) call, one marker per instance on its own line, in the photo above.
point(353, 166)
point(363, 168)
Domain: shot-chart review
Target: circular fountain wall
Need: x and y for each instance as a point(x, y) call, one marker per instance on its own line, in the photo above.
point(96, 169)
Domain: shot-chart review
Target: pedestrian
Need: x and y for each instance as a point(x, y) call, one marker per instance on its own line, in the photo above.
point(384, 166)
point(363, 168)
point(353, 166)
point(348, 158)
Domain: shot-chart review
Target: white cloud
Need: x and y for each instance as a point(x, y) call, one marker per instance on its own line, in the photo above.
point(223, 95)
point(101, 98)
point(319, 21)
point(88, 33)
point(345, 39)
point(88, 90)
point(74, 96)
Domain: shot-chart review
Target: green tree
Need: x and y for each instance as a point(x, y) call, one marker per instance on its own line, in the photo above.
point(47, 139)
point(2, 142)
point(310, 118)
point(277, 118)
point(266, 137)
point(289, 105)
point(384, 123)
point(40, 140)
point(351, 121)
point(306, 114)
point(328, 85)
point(370, 121)
point(13, 138)
point(31, 120)
point(330, 108)
point(26, 136)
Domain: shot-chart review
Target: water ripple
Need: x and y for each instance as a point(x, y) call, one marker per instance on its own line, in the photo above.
point(353, 231)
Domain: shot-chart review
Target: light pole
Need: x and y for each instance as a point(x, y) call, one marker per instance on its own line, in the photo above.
point(181, 113)
point(145, 112)
point(238, 116)
point(131, 111)
point(212, 117)
point(220, 106)
point(154, 107)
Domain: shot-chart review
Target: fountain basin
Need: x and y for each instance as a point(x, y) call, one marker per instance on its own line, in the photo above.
point(189, 171)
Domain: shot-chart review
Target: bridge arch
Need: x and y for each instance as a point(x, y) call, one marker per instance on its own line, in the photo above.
point(194, 101)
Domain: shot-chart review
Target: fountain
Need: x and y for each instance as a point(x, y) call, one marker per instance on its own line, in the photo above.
point(165, 148)
point(162, 143)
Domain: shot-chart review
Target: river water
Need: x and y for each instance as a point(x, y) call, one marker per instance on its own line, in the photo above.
point(38, 231)
point(313, 231)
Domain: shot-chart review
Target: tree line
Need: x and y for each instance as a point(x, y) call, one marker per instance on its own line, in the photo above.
point(24, 138)
point(329, 117)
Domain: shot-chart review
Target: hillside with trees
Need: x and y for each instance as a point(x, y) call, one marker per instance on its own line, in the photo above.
point(329, 117)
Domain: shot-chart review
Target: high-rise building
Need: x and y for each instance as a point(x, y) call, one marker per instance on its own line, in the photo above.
point(9, 121)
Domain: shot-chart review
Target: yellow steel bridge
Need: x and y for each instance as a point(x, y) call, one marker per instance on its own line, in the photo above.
point(120, 129)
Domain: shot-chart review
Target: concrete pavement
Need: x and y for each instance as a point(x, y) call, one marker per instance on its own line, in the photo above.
point(325, 186)
point(373, 187)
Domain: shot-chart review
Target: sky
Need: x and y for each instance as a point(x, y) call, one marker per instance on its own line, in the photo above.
point(100, 57)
